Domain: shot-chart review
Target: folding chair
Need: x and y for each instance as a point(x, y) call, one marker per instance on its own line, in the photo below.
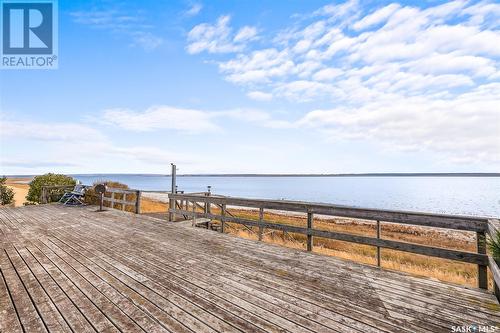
point(74, 197)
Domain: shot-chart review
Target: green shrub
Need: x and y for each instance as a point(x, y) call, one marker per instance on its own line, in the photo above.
point(6, 193)
point(494, 245)
point(48, 179)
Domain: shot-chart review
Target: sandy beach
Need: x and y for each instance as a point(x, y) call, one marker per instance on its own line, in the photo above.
point(20, 187)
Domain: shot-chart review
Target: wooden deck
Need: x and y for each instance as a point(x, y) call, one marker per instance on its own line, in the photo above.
point(71, 269)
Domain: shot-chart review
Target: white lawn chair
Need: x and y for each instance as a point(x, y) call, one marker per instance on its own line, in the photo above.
point(74, 197)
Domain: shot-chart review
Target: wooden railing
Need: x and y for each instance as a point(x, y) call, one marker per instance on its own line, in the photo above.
point(188, 205)
point(54, 193)
point(124, 202)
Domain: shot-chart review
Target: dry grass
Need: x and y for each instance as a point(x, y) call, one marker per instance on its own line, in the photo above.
point(152, 206)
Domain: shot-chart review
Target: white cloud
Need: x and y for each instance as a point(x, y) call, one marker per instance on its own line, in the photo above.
point(327, 74)
point(121, 23)
point(194, 10)
point(244, 34)
point(187, 121)
point(218, 37)
point(405, 76)
point(260, 96)
point(259, 66)
point(106, 19)
point(409, 39)
point(76, 148)
point(465, 127)
point(377, 17)
point(161, 117)
point(258, 117)
point(305, 90)
point(62, 132)
point(341, 14)
point(146, 40)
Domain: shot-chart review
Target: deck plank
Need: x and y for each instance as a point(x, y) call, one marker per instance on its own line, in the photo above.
point(49, 313)
point(8, 318)
point(71, 313)
point(180, 271)
point(29, 316)
point(74, 269)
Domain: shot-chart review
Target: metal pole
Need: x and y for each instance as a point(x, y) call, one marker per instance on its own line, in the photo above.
point(174, 177)
point(171, 204)
point(208, 204)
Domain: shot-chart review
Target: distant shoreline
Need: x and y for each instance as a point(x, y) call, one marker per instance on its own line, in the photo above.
point(396, 174)
point(351, 175)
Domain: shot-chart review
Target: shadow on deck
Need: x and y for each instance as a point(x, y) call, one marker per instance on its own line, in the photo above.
point(72, 269)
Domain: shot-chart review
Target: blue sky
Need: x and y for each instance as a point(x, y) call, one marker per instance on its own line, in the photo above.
point(260, 86)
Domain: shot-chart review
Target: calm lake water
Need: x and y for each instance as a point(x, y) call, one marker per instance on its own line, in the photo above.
point(453, 195)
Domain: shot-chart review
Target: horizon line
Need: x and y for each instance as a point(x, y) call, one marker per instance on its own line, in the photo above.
point(369, 174)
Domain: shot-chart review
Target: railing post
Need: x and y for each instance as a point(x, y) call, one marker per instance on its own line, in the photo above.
point(379, 231)
point(482, 270)
point(137, 202)
point(261, 218)
point(194, 213)
point(43, 195)
point(310, 218)
point(222, 220)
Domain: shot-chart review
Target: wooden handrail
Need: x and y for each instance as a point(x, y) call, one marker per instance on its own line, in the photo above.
point(456, 222)
point(479, 225)
point(44, 195)
point(469, 257)
point(135, 202)
point(124, 202)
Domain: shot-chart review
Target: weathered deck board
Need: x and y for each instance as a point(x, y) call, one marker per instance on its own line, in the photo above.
point(73, 269)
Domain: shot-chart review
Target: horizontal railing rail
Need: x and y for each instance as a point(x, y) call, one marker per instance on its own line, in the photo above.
point(187, 204)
